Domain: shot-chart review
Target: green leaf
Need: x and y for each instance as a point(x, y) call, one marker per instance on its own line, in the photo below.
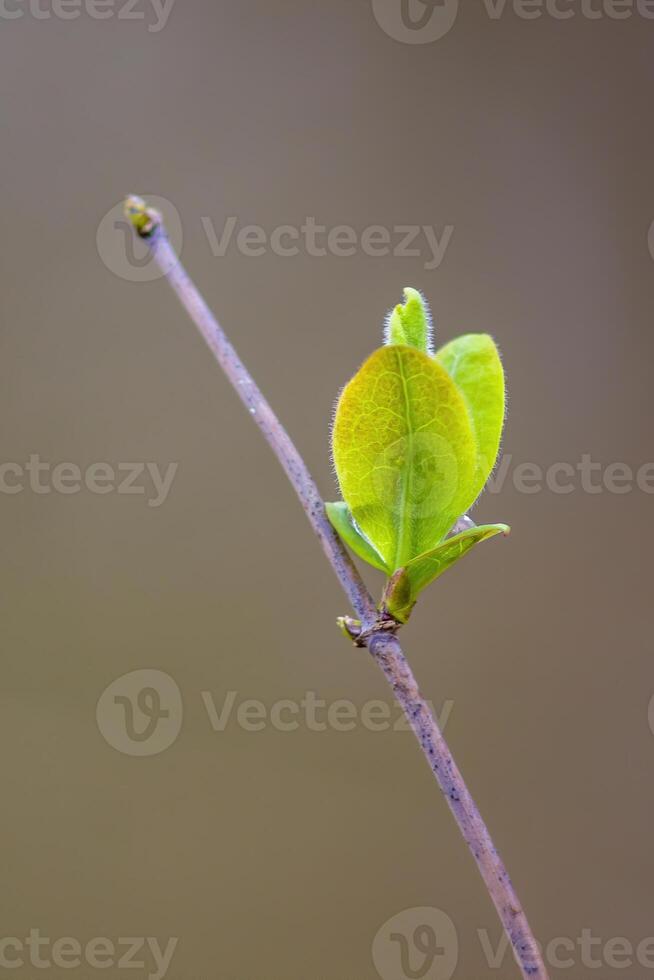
point(410, 323)
point(341, 520)
point(406, 585)
point(404, 452)
point(473, 362)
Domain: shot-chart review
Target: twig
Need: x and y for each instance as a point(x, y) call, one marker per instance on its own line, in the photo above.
point(375, 632)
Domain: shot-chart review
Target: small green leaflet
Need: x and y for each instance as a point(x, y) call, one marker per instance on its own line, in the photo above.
point(404, 452)
point(415, 438)
point(341, 519)
point(473, 363)
point(410, 323)
point(405, 586)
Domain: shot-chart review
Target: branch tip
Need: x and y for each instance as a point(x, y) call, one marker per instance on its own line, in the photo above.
point(144, 219)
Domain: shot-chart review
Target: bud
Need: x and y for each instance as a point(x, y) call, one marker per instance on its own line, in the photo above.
point(410, 323)
point(144, 219)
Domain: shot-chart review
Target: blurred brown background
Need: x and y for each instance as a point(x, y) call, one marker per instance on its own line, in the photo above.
point(280, 854)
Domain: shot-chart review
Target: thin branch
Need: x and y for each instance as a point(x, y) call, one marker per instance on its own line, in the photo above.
point(374, 633)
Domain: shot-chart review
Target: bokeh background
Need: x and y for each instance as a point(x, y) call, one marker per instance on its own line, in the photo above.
point(273, 853)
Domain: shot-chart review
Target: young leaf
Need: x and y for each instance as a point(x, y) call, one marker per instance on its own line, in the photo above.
point(404, 452)
point(473, 363)
point(410, 323)
point(406, 585)
point(341, 520)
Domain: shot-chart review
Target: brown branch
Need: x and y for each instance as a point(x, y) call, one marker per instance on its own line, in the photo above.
point(374, 631)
